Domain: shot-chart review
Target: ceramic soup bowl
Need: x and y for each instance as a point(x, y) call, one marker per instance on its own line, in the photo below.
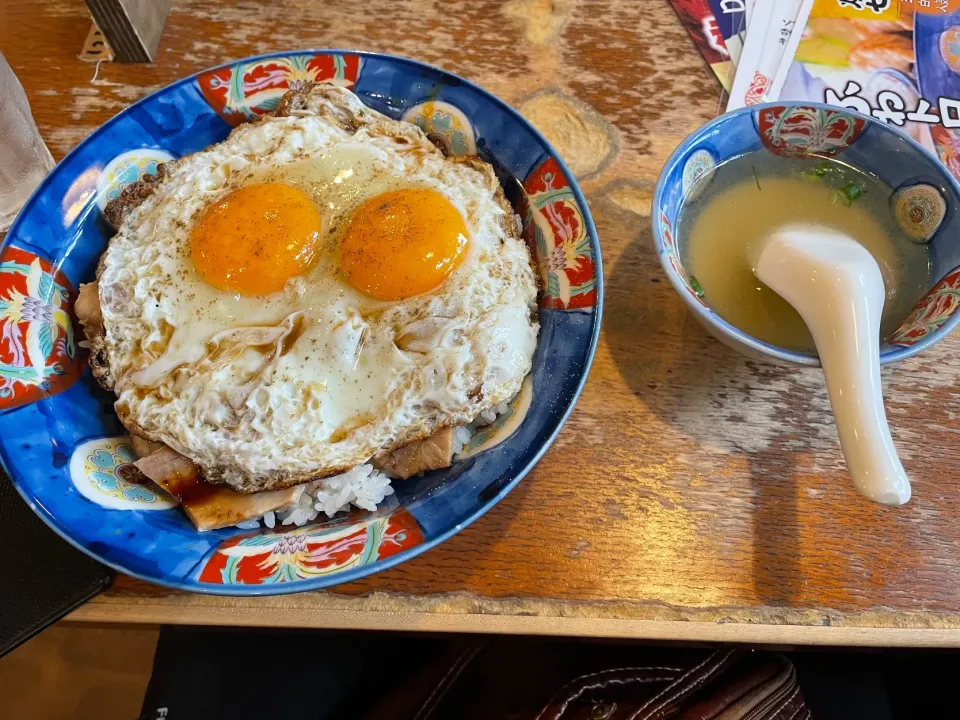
point(926, 198)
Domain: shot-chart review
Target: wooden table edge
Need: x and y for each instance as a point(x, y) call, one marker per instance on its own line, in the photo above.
point(142, 613)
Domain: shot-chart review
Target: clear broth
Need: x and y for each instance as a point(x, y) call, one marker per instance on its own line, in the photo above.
point(750, 197)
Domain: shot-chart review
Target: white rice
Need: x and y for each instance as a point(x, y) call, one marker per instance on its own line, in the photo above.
point(488, 417)
point(461, 437)
point(364, 486)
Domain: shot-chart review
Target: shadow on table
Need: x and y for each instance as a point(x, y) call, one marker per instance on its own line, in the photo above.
point(703, 390)
point(776, 542)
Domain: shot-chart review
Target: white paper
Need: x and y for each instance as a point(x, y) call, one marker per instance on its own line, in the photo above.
point(748, 70)
point(790, 50)
point(763, 51)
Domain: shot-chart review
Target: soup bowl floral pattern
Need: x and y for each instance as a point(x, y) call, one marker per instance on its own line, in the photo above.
point(60, 440)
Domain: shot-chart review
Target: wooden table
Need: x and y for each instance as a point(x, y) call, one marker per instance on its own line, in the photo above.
point(694, 494)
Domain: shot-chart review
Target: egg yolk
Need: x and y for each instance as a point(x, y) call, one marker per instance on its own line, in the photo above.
point(402, 243)
point(256, 238)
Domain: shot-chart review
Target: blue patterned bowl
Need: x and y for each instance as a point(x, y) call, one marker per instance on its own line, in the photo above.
point(60, 440)
point(926, 201)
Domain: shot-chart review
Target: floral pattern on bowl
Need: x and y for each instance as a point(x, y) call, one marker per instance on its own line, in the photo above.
point(39, 356)
point(287, 554)
point(554, 228)
point(245, 90)
point(672, 253)
point(102, 471)
point(919, 210)
point(697, 173)
point(933, 310)
point(126, 169)
point(446, 126)
point(800, 130)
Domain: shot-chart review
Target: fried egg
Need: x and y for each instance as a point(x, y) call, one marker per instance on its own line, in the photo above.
point(316, 289)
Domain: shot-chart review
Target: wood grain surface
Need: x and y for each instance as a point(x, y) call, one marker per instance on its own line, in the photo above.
point(693, 493)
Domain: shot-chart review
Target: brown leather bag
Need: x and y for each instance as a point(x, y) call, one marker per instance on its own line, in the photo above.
point(549, 680)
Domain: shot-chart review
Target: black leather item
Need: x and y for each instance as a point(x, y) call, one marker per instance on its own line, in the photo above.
point(556, 680)
point(44, 578)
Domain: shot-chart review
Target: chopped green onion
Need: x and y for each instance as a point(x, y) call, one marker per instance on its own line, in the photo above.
point(854, 190)
point(849, 193)
point(696, 287)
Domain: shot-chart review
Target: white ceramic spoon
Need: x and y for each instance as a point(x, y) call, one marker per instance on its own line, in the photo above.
point(836, 286)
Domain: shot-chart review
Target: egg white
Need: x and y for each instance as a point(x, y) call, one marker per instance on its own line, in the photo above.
point(270, 390)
